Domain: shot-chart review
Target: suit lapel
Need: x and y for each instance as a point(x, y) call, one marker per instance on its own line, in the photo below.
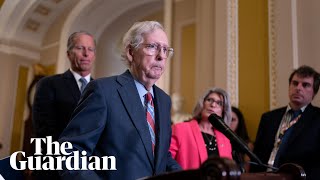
point(298, 127)
point(275, 122)
point(160, 125)
point(199, 140)
point(71, 83)
point(131, 100)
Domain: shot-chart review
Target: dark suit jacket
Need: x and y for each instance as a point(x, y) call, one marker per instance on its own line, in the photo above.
point(55, 99)
point(110, 120)
point(303, 146)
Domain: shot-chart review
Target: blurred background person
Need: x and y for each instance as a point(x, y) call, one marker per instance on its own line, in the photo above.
point(291, 134)
point(193, 141)
point(238, 126)
point(177, 114)
point(57, 96)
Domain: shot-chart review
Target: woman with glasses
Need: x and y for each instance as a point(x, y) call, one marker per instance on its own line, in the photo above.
point(193, 141)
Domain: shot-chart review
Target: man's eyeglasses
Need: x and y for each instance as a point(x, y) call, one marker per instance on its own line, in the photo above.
point(154, 48)
point(211, 100)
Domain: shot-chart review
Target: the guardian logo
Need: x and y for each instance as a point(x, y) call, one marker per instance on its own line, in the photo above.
point(57, 157)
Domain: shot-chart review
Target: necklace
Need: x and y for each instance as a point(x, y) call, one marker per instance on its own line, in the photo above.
point(209, 140)
point(210, 145)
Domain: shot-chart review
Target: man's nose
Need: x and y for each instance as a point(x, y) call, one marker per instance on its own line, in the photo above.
point(161, 55)
point(299, 86)
point(85, 52)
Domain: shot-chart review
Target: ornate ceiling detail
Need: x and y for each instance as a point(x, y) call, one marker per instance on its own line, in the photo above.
point(26, 23)
point(56, 1)
point(32, 25)
point(42, 10)
point(29, 21)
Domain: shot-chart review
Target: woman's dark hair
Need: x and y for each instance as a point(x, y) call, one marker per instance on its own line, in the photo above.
point(241, 130)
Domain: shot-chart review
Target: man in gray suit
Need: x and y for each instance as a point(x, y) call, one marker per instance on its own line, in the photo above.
point(111, 118)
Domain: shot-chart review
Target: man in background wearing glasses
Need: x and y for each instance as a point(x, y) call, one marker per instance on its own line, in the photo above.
point(114, 119)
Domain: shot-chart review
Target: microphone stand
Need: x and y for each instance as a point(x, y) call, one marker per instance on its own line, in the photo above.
point(238, 158)
point(220, 125)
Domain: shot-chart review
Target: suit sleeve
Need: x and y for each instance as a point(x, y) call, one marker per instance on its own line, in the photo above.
point(174, 143)
point(172, 164)
point(259, 146)
point(85, 127)
point(43, 111)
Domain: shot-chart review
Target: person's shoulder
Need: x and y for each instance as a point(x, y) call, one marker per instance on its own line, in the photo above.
point(275, 111)
point(161, 92)
point(50, 79)
point(180, 117)
point(161, 95)
point(115, 80)
point(273, 115)
point(104, 80)
point(315, 108)
point(105, 83)
point(184, 124)
point(185, 128)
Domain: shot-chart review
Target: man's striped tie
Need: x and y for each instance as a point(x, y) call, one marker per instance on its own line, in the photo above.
point(150, 118)
point(83, 84)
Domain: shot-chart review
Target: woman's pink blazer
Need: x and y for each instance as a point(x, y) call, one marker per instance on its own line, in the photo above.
point(188, 147)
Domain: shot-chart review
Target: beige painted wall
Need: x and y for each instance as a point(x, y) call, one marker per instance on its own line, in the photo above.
point(18, 126)
point(9, 68)
point(181, 19)
point(188, 67)
point(253, 62)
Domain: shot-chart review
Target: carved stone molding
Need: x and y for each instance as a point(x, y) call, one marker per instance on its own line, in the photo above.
point(272, 56)
point(232, 52)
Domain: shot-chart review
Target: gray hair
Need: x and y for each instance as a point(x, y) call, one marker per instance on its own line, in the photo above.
point(226, 114)
point(134, 37)
point(73, 36)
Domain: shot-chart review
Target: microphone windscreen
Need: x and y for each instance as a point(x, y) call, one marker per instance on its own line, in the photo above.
point(218, 123)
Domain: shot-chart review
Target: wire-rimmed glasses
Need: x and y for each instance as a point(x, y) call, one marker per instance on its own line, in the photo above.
point(154, 48)
point(211, 100)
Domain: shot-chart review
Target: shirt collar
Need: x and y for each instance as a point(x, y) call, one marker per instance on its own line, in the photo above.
point(302, 109)
point(78, 76)
point(142, 90)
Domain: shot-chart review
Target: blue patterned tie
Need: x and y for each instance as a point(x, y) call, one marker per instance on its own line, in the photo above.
point(286, 136)
point(150, 118)
point(295, 114)
point(83, 84)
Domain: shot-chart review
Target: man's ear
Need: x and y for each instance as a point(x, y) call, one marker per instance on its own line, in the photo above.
point(130, 54)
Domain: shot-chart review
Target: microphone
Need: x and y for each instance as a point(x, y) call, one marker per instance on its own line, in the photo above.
point(220, 125)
